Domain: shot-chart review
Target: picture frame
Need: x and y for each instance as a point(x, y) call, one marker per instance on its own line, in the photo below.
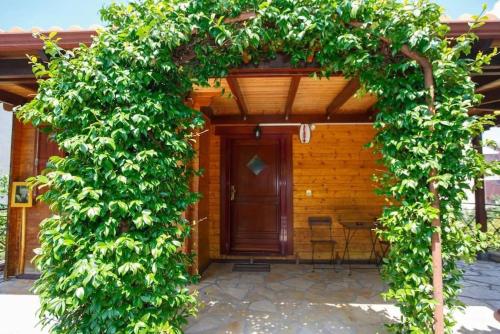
point(21, 195)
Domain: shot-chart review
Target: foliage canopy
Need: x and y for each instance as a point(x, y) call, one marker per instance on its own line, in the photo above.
point(110, 255)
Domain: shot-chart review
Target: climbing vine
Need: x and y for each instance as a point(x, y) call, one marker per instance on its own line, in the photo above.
point(110, 255)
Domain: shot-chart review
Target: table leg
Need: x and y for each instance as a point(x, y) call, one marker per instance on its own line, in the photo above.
point(348, 236)
point(373, 239)
point(312, 259)
point(345, 244)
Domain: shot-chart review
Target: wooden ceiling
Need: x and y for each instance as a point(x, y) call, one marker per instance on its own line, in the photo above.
point(280, 98)
point(269, 93)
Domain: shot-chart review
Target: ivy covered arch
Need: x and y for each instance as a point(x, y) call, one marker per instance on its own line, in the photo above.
point(110, 255)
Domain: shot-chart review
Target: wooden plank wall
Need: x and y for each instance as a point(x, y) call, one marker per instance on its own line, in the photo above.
point(202, 228)
point(338, 170)
point(335, 166)
point(214, 196)
point(22, 167)
point(25, 163)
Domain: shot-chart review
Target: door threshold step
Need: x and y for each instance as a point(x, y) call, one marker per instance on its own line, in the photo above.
point(252, 267)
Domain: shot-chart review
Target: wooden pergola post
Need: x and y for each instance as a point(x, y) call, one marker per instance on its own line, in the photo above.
point(479, 194)
point(436, 241)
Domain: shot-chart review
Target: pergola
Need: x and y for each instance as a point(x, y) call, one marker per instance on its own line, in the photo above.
point(269, 93)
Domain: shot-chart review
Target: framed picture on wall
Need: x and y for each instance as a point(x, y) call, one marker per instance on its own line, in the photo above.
point(21, 196)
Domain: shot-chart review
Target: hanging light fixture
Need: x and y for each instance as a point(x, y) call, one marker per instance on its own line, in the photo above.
point(305, 133)
point(257, 132)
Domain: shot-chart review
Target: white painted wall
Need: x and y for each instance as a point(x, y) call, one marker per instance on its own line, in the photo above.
point(5, 137)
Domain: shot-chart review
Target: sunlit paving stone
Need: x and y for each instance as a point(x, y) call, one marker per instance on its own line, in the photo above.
point(292, 299)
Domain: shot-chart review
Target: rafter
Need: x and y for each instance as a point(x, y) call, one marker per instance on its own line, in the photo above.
point(15, 69)
point(292, 92)
point(372, 113)
point(208, 111)
point(240, 101)
point(16, 81)
point(7, 106)
point(349, 90)
point(490, 97)
point(33, 87)
point(495, 84)
point(11, 98)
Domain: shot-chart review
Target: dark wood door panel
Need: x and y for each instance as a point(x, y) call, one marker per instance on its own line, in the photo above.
point(248, 246)
point(255, 168)
point(254, 218)
point(256, 195)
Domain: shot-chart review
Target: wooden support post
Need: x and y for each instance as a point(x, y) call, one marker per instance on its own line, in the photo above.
point(22, 244)
point(480, 196)
point(436, 246)
point(481, 215)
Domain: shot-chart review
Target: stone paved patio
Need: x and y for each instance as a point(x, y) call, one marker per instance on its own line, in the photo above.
point(293, 299)
point(289, 299)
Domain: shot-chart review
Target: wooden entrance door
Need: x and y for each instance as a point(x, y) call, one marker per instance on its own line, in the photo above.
point(256, 202)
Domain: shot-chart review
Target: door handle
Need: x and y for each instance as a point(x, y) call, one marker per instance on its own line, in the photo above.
point(233, 192)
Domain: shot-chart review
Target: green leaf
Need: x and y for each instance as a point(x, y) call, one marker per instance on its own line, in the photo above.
point(79, 293)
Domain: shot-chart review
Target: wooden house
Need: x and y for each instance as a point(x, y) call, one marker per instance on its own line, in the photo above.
point(263, 178)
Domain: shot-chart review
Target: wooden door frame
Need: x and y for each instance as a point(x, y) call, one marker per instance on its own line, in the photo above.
point(284, 134)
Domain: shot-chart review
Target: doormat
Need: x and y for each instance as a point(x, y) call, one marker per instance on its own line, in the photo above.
point(252, 267)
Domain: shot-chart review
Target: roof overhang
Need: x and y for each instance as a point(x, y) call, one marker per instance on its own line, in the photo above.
point(18, 85)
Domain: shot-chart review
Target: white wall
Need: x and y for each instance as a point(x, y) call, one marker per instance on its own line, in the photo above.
point(5, 137)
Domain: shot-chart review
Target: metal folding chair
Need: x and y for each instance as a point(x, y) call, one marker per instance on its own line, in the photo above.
point(321, 234)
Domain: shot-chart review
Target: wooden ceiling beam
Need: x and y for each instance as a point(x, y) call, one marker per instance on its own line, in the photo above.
point(271, 74)
point(489, 85)
point(238, 95)
point(372, 113)
point(11, 98)
point(490, 97)
point(275, 72)
point(7, 106)
point(480, 111)
point(17, 81)
point(293, 119)
point(292, 92)
point(208, 111)
point(33, 87)
point(338, 101)
point(15, 69)
point(281, 61)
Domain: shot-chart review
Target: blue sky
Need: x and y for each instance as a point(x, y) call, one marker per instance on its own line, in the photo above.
point(64, 13)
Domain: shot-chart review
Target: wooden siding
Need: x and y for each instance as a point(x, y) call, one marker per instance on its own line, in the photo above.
point(214, 196)
point(22, 167)
point(334, 166)
point(337, 168)
point(202, 227)
point(29, 157)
